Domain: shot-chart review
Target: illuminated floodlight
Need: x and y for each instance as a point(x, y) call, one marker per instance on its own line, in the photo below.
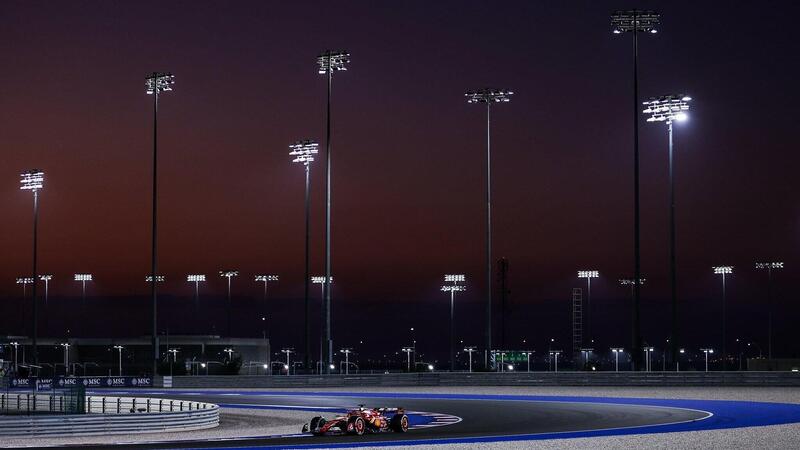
point(304, 151)
point(319, 279)
point(266, 278)
point(454, 278)
point(630, 281)
point(707, 350)
point(618, 350)
point(635, 21)
point(159, 278)
point(228, 273)
point(195, 278)
point(588, 274)
point(333, 60)
point(25, 280)
point(489, 95)
point(47, 277)
point(31, 180)
point(769, 265)
point(159, 82)
point(723, 270)
point(83, 277)
point(667, 108)
point(453, 288)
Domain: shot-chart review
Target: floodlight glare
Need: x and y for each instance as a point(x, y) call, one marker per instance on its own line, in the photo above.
point(489, 95)
point(769, 265)
point(45, 277)
point(667, 108)
point(31, 180)
point(228, 273)
point(635, 21)
point(304, 151)
point(195, 278)
point(630, 281)
point(588, 274)
point(83, 277)
point(319, 280)
point(158, 82)
point(454, 278)
point(723, 269)
point(332, 60)
point(24, 280)
point(159, 278)
point(266, 278)
point(453, 288)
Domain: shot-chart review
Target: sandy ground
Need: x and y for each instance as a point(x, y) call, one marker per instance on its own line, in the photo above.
point(252, 422)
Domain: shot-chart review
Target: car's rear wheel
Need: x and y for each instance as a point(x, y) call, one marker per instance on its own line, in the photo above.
point(316, 424)
point(357, 426)
point(400, 423)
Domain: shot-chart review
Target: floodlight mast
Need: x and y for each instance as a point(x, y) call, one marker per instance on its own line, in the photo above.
point(228, 273)
point(303, 153)
point(769, 266)
point(723, 270)
point(329, 61)
point(669, 108)
point(196, 279)
point(634, 22)
point(155, 83)
point(265, 279)
point(33, 180)
point(452, 289)
point(488, 96)
point(588, 274)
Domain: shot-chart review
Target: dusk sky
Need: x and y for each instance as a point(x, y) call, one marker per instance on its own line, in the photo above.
point(408, 159)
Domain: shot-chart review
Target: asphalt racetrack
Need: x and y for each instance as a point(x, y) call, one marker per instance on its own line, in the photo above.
point(446, 418)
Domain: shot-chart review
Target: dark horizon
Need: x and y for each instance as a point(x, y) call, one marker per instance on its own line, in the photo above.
point(408, 162)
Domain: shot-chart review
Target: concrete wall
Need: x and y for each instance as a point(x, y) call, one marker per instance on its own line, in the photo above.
point(497, 379)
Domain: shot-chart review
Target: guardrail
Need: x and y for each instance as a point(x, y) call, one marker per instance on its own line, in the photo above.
point(106, 415)
point(496, 379)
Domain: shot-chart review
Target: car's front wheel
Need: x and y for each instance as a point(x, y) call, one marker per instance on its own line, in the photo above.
point(357, 426)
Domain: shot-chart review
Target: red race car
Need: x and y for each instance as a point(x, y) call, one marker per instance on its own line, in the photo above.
point(360, 421)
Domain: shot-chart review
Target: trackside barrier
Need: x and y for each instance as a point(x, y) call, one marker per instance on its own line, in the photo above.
point(776, 379)
point(108, 415)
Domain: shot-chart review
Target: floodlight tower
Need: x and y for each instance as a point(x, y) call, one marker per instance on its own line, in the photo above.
point(266, 279)
point(635, 22)
point(707, 351)
point(723, 270)
point(769, 266)
point(83, 278)
point(156, 83)
point(488, 96)
point(288, 352)
point(33, 180)
point(119, 349)
point(329, 61)
point(46, 278)
point(196, 279)
point(24, 281)
point(669, 108)
point(588, 274)
point(159, 278)
point(452, 289)
point(303, 153)
point(229, 274)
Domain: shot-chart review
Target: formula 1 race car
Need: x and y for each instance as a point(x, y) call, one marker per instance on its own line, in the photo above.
point(360, 421)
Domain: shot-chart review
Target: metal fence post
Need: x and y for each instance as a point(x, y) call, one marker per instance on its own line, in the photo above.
point(119, 403)
point(160, 401)
point(103, 405)
point(148, 405)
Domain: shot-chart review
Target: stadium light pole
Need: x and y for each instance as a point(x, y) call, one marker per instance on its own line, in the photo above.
point(303, 153)
point(554, 354)
point(288, 351)
point(769, 267)
point(346, 352)
point(83, 278)
point(528, 357)
point(707, 351)
point(24, 281)
point(724, 270)
point(488, 96)
point(196, 279)
point(669, 108)
point(66, 346)
point(329, 61)
point(119, 349)
point(588, 274)
point(617, 351)
point(648, 351)
point(407, 351)
point(635, 22)
point(33, 180)
point(155, 84)
point(265, 279)
point(452, 289)
point(470, 351)
point(229, 274)
point(46, 278)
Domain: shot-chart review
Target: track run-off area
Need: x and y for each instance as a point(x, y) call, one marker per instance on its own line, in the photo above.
point(477, 418)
